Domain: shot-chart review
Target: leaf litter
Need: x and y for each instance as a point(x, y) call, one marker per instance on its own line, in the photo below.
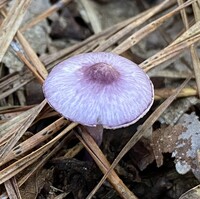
point(161, 37)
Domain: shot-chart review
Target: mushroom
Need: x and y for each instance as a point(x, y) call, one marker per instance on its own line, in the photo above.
point(99, 90)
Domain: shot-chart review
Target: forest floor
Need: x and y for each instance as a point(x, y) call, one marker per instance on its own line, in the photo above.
point(42, 154)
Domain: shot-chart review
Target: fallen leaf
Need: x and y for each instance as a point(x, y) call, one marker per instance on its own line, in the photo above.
point(187, 145)
point(164, 141)
point(35, 183)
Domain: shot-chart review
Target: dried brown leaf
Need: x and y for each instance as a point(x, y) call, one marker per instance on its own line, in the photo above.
point(35, 183)
point(164, 141)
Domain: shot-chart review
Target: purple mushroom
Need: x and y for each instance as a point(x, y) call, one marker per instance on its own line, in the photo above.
point(99, 90)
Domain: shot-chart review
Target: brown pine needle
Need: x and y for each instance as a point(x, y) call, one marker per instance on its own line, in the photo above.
point(103, 164)
point(11, 24)
point(137, 136)
point(45, 14)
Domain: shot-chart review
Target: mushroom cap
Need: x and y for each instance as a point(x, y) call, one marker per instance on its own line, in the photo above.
point(99, 88)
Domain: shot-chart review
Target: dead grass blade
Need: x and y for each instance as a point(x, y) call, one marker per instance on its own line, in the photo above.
point(12, 130)
point(101, 38)
point(92, 15)
point(146, 30)
point(14, 109)
point(12, 189)
point(2, 3)
point(196, 65)
point(73, 151)
point(191, 36)
point(17, 132)
point(34, 140)
point(13, 123)
point(38, 68)
point(38, 165)
point(87, 43)
point(8, 79)
point(22, 57)
point(32, 56)
point(11, 24)
point(141, 131)
point(166, 92)
point(167, 73)
point(103, 164)
point(139, 19)
point(196, 8)
point(45, 14)
point(195, 58)
point(12, 82)
point(184, 15)
point(29, 159)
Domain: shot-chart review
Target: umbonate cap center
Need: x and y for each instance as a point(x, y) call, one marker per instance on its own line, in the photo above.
point(101, 73)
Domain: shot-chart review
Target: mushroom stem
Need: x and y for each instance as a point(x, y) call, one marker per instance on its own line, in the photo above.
point(96, 133)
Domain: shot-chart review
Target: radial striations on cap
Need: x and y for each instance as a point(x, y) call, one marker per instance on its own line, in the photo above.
point(99, 88)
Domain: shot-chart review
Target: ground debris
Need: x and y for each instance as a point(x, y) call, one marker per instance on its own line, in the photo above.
point(164, 141)
point(187, 145)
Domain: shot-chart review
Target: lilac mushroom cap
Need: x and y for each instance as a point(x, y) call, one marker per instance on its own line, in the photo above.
point(99, 88)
